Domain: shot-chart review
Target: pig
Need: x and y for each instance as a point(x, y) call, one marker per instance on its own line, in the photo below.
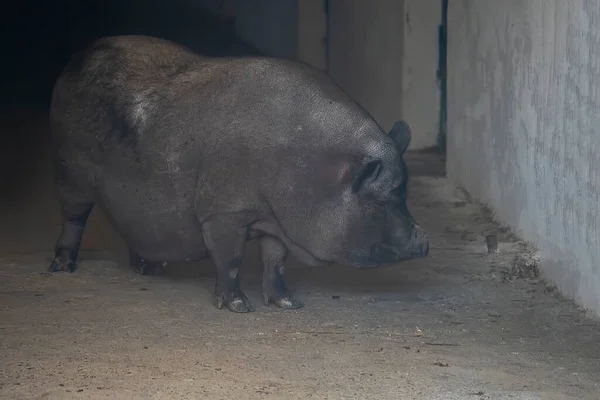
point(191, 156)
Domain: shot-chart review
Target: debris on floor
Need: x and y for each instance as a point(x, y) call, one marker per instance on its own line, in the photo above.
point(522, 266)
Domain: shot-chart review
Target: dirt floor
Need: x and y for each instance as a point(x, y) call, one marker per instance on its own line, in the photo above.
point(460, 324)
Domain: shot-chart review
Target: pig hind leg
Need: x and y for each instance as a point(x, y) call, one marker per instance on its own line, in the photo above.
point(75, 208)
point(273, 255)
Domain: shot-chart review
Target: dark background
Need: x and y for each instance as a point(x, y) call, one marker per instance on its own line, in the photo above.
point(38, 38)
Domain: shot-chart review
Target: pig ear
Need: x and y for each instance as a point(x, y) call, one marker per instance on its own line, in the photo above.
point(366, 174)
point(401, 135)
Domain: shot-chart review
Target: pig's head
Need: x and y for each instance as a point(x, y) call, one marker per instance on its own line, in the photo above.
point(381, 228)
point(354, 211)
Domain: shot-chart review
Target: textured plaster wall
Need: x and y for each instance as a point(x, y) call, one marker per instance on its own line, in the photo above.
point(524, 126)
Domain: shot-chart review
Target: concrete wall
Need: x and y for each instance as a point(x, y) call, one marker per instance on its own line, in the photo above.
point(420, 91)
point(269, 25)
point(524, 126)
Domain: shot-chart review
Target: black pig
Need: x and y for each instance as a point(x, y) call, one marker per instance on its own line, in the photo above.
point(191, 156)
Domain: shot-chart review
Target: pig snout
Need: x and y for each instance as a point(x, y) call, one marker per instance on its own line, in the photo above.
point(404, 245)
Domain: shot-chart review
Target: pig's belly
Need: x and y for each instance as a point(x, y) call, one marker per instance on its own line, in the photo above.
point(157, 221)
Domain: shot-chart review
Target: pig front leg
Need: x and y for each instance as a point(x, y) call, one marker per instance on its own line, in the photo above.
point(224, 238)
point(273, 255)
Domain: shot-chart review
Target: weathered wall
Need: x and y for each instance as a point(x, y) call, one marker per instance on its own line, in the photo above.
point(420, 91)
point(524, 126)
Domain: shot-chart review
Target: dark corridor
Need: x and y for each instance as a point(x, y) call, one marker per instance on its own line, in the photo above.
point(39, 39)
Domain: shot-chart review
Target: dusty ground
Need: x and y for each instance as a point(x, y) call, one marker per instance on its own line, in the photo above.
point(446, 327)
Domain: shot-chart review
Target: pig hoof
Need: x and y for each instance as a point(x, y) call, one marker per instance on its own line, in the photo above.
point(284, 300)
point(62, 263)
point(236, 302)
